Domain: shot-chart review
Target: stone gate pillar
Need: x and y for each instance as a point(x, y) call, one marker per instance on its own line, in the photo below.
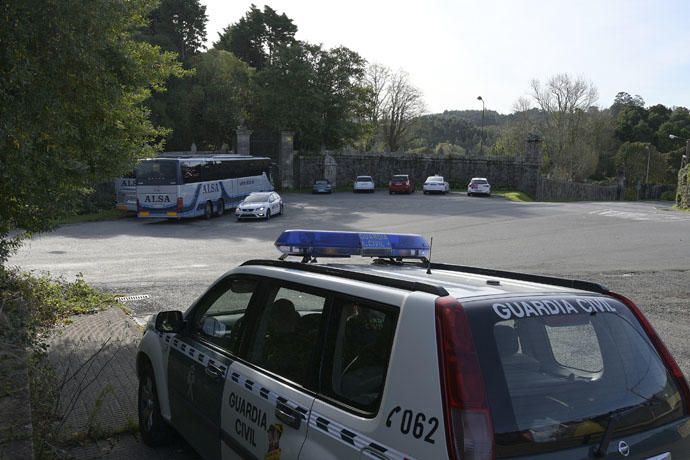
point(330, 169)
point(287, 154)
point(243, 140)
point(533, 152)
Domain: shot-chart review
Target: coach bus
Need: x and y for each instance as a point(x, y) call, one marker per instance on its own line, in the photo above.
point(190, 186)
point(126, 193)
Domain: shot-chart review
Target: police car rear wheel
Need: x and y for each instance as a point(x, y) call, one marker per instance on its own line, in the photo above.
point(153, 428)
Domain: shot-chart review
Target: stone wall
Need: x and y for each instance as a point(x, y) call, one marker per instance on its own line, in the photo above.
point(683, 191)
point(502, 172)
point(551, 190)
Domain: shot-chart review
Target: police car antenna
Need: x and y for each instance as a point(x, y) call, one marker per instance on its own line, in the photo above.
point(428, 262)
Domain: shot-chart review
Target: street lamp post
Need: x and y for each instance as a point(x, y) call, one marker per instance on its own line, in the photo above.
point(683, 158)
point(481, 139)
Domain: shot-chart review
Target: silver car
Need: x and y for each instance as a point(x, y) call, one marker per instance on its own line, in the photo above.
point(260, 205)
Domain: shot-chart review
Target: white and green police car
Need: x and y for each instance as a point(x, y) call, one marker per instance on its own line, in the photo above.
point(403, 359)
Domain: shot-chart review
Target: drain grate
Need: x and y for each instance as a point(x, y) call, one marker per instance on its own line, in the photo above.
point(129, 298)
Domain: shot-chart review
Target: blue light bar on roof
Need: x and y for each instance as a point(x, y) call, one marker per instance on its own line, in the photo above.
point(322, 243)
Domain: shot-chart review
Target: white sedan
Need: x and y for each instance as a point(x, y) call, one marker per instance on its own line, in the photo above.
point(436, 184)
point(260, 205)
point(364, 184)
point(479, 186)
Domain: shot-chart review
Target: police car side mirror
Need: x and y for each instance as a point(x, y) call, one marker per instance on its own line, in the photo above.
point(169, 321)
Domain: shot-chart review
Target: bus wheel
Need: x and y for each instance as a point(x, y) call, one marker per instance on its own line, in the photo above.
point(221, 207)
point(208, 210)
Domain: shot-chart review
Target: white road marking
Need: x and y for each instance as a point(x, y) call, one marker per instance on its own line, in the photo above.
point(653, 216)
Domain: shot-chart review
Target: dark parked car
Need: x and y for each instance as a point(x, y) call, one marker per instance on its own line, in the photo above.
point(322, 186)
point(401, 183)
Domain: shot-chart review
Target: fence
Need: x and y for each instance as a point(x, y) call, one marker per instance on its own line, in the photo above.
point(343, 168)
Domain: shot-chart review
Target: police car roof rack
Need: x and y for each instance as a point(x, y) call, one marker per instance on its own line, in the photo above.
point(552, 280)
point(353, 275)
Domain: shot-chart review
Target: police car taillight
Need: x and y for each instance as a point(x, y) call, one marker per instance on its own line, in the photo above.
point(469, 428)
point(665, 355)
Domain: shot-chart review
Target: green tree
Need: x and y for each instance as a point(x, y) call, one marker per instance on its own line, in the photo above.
point(206, 108)
point(178, 25)
point(72, 85)
point(257, 36)
point(624, 99)
point(641, 163)
point(315, 92)
point(632, 125)
point(284, 95)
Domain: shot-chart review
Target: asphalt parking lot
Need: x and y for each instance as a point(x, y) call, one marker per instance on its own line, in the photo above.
point(639, 249)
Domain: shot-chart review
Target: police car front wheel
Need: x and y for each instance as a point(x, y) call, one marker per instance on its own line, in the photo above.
point(153, 428)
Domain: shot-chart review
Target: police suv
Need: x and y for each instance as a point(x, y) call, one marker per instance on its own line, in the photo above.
point(403, 358)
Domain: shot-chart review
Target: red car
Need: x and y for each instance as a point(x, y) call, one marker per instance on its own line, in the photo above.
point(401, 183)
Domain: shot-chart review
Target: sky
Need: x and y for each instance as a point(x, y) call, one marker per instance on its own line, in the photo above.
point(457, 50)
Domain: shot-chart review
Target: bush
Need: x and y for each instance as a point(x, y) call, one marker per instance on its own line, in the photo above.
point(31, 304)
point(668, 196)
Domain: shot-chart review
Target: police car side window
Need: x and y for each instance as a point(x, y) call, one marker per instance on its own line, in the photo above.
point(285, 341)
point(361, 350)
point(576, 347)
point(221, 319)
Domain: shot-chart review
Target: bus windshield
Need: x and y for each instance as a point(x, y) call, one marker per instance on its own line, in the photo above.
point(157, 172)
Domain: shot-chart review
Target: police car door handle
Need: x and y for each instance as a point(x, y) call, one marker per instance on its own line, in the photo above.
point(214, 372)
point(288, 416)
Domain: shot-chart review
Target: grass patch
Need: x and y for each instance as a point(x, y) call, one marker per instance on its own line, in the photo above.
point(105, 214)
point(32, 304)
point(514, 195)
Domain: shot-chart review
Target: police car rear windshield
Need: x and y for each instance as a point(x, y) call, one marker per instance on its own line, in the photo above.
point(559, 370)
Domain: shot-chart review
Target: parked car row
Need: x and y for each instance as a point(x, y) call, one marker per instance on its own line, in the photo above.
point(403, 183)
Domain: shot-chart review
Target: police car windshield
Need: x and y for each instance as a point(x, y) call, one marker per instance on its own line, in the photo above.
point(257, 198)
point(556, 369)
